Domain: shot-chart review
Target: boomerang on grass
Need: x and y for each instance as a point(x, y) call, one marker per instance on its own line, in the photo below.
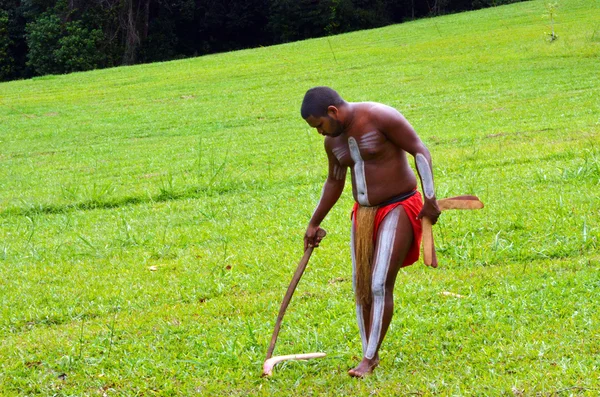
point(451, 203)
point(271, 361)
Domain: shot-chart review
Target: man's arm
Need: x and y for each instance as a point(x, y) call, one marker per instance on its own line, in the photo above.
point(332, 190)
point(399, 131)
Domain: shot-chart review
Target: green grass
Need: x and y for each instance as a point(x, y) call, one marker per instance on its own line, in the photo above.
point(151, 217)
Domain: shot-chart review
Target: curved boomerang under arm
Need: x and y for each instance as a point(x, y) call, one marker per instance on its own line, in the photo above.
point(451, 203)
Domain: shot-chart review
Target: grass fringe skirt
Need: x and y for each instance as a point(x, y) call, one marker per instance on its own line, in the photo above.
point(363, 245)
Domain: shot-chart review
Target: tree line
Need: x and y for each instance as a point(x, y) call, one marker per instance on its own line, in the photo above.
point(39, 37)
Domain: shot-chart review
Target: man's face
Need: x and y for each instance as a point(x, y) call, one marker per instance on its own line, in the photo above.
point(326, 126)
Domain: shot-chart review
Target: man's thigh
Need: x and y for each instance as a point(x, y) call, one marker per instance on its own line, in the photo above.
point(394, 239)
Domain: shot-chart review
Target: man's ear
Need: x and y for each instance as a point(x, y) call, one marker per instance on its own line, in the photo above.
point(333, 112)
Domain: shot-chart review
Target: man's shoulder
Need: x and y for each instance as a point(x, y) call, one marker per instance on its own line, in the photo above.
point(379, 113)
point(373, 106)
point(330, 142)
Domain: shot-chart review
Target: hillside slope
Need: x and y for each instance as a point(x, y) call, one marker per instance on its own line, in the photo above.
point(152, 216)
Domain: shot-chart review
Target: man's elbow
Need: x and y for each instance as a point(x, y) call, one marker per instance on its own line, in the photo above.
point(422, 150)
point(335, 183)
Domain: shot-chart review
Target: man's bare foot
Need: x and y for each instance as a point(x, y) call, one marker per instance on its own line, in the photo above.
point(365, 367)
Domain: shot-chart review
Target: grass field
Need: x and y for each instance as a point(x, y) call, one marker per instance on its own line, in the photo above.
point(151, 217)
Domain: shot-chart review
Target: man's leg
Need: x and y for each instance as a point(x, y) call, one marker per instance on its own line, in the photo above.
point(362, 311)
point(394, 239)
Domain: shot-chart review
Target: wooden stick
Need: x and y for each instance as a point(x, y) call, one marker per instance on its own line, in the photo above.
point(451, 203)
point(460, 203)
point(429, 256)
point(288, 296)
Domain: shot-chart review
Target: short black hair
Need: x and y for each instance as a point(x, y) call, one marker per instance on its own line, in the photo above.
point(317, 100)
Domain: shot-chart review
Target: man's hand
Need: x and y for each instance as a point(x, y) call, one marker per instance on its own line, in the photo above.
point(311, 238)
point(430, 210)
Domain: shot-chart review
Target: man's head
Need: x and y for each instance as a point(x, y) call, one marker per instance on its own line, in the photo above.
point(320, 108)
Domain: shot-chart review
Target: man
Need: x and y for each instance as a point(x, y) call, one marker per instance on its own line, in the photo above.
point(372, 140)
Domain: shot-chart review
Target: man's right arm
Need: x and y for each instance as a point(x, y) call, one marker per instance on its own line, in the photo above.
point(332, 190)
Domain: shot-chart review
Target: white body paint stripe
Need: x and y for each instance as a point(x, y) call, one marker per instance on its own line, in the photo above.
point(369, 140)
point(361, 328)
point(338, 172)
point(369, 135)
point(426, 175)
point(359, 310)
point(382, 262)
point(339, 153)
point(359, 172)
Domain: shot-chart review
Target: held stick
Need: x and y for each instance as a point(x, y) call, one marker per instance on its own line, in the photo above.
point(271, 361)
point(451, 203)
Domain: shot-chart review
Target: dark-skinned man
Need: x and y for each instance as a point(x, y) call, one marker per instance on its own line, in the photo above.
point(372, 140)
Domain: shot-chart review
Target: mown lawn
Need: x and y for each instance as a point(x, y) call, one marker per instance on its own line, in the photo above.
point(151, 217)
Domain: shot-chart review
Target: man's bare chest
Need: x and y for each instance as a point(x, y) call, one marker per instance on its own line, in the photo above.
point(360, 148)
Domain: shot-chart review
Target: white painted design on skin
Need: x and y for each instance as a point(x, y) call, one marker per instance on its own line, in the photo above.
point(385, 246)
point(340, 153)
point(426, 175)
point(339, 173)
point(361, 327)
point(359, 172)
point(369, 140)
point(359, 310)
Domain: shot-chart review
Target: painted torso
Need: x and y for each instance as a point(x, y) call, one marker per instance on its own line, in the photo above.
point(379, 167)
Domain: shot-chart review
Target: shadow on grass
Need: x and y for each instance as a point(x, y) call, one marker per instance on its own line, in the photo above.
point(30, 209)
point(164, 195)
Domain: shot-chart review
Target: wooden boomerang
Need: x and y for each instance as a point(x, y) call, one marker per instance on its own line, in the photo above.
point(271, 361)
point(451, 203)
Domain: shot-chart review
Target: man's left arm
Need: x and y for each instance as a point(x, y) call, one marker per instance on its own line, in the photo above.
point(399, 131)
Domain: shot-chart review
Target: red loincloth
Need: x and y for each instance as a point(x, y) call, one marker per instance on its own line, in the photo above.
point(412, 206)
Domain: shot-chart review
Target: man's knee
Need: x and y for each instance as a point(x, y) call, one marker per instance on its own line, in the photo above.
point(378, 287)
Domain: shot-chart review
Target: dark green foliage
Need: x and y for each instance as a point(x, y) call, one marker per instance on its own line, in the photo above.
point(43, 36)
point(298, 19)
point(161, 44)
point(295, 20)
point(6, 61)
point(40, 37)
point(78, 48)
point(62, 47)
point(12, 39)
point(364, 14)
point(223, 25)
point(490, 3)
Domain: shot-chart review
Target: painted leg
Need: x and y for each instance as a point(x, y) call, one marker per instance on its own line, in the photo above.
point(394, 239)
point(361, 312)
